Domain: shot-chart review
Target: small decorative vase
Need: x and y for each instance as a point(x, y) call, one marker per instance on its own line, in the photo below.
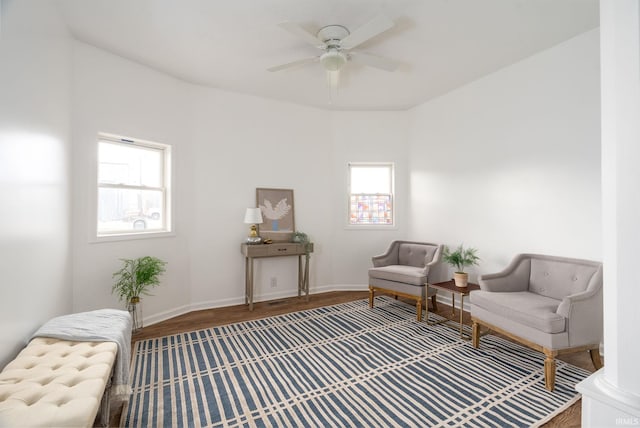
point(135, 310)
point(461, 279)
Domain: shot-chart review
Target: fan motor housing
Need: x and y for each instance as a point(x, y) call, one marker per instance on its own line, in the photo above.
point(331, 35)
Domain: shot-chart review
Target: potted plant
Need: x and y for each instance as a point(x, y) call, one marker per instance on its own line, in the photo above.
point(460, 258)
point(133, 280)
point(302, 238)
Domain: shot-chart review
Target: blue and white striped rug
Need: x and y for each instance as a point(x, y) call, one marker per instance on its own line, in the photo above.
point(343, 365)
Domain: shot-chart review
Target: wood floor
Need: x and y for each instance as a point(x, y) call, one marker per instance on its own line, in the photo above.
point(219, 316)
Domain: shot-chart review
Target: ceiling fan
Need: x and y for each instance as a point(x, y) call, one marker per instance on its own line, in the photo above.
point(337, 42)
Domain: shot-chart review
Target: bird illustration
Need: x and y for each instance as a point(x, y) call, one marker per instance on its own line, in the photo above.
point(281, 209)
point(275, 214)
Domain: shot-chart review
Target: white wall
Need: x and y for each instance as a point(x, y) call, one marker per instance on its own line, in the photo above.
point(225, 146)
point(241, 143)
point(34, 171)
point(113, 95)
point(510, 163)
point(367, 136)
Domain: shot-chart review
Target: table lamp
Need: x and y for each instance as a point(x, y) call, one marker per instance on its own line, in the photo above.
point(253, 216)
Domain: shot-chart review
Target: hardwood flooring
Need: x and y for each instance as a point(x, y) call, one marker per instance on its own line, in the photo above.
point(219, 316)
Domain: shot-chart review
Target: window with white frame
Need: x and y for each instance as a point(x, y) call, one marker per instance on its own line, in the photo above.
point(133, 187)
point(371, 194)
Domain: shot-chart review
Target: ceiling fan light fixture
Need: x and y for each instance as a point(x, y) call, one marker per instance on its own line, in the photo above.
point(333, 60)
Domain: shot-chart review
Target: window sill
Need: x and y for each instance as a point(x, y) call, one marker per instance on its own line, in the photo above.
point(131, 237)
point(371, 227)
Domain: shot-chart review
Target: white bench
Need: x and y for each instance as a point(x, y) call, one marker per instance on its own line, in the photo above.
point(64, 376)
point(57, 383)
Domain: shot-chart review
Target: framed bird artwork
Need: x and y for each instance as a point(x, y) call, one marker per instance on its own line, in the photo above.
point(276, 206)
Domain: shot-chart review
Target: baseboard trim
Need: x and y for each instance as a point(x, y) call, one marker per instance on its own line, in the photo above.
point(211, 304)
point(233, 301)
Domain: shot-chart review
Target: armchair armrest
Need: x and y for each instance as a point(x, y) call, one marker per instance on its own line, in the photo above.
point(589, 296)
point(390, 257)
point(436, 259)
point(583, 312)
point(515, 277)
point(574, 301)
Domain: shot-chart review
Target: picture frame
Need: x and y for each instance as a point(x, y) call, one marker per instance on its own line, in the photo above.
point(278, 219)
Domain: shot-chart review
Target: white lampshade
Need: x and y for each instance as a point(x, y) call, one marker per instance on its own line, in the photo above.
point(253, 216)
point(333, 60)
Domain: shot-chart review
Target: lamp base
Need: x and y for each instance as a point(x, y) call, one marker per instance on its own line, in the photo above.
point(253, 240)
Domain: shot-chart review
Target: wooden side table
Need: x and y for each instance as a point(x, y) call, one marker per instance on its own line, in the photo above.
point(251, 252)
point(450, 287)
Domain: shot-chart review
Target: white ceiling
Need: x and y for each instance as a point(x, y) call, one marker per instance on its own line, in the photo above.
point(441, 44)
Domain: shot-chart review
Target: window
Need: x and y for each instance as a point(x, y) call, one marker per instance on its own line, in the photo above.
point(133, 186)
point(371, 194)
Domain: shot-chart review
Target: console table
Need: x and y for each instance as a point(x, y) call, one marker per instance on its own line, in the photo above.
point(251, 252)
point(450, 286)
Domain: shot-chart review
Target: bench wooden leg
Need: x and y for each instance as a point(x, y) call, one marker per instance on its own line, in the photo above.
point(105, 407)
point(595, 358)
point(550, 369)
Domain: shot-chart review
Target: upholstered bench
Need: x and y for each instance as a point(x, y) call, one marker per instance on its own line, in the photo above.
point(64, 376)
point(57, 383)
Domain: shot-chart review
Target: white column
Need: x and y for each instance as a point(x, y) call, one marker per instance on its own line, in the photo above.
point(611, 397)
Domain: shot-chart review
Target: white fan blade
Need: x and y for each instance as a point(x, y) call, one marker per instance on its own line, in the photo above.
point(371, 29)
point(373, 60)
point(296, 29)
point(293, 64)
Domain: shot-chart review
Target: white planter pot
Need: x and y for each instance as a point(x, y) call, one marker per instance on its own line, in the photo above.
point(461, 279)
point(135, 309)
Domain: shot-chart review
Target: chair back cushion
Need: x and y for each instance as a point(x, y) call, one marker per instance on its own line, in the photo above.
point(559, 278)
point(417, 255)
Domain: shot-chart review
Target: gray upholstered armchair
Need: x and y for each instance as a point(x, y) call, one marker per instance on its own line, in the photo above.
point(551, 304)
point(403, 271)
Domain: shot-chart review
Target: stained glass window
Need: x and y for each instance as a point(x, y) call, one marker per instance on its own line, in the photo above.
point(371, 194)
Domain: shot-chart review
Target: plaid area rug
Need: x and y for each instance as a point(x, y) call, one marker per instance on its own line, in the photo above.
point(343, 365)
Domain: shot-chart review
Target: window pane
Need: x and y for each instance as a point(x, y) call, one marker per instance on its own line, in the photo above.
point(370, 209)
point(132, 165)
point(125, 210)
point(370, 179)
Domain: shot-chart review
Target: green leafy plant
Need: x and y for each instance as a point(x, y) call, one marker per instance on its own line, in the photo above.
point(461, 257)
point(300, 237)
point(136, 276)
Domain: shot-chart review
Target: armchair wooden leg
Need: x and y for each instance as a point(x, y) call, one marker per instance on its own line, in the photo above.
point(475, 334)
point(550, 369)
point(434, 303)
point(419, 309)
point(595, 358)
point(371, 296)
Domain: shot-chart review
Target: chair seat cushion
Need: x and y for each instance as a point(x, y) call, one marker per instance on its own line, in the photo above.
point(530, 309)
point(399, 273)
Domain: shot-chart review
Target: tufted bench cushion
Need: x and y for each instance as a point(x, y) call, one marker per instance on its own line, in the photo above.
point(56, 383)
